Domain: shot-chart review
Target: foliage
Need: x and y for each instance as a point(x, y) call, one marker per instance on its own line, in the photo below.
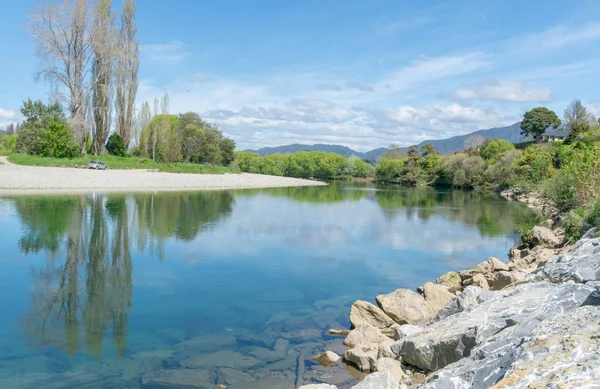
point(493, 150)
point(57, 141)
point(536, 164)
point(116, 145)
point(394, 151)
point(463, 171)
point(536, 121)
point(8, 144)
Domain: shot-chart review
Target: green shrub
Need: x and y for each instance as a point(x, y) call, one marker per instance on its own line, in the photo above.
point(493, 150)
point(560, 190)
point(116, 145)
point(57, 141)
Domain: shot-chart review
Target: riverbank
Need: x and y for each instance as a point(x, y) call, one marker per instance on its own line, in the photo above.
point(16, 179)
point(529, 322)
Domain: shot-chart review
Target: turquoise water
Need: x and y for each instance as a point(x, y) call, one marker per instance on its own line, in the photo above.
point(230, 289)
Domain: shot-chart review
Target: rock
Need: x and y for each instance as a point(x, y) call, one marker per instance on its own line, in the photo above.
point(262, 340)
point(478, 280)
point(544, 236)
point(179, 379)
point(364, 334)
point(363, 356)
point(533, 259)
point(436, 296)
point(363, 312)
point(497, 265)
point(559, 352)
point(380, 380)
point(579, 265)
point(470, 297)
point(404, 306)
point(337, 332)
point(229, 376)
point(302, 335)
point(514, 253)
point(281, 345)
point(203, 343)
point(455, 337)
point(327, 358)
point(318, 386)
point(266, 355)
point(384, 349)
point(393, 366)
point(223, 358)
point(504, 279)
point(406, 330)
point(267, 382)
point(451, 280)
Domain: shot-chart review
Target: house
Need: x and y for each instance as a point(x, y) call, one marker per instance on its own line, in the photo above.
point(553, 134)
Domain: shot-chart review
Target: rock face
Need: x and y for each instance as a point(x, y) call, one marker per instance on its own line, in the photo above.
point(363, 312)
point(455, 337)
point(404, 306)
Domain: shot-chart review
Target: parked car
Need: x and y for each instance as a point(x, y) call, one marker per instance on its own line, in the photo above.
point(93, 165)
point(101, 166)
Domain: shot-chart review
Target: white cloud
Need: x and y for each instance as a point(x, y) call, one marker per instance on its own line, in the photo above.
point(172, 52)
point(441, 116)
point(505, 91)
point(7, 117)
point(558, 37)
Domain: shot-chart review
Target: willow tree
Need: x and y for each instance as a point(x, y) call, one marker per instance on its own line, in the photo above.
point(126, 72)
point(102, 66)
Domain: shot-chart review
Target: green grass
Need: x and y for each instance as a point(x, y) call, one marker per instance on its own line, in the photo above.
point(120, 163)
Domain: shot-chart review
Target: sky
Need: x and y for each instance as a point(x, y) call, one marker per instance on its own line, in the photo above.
point(360, 73)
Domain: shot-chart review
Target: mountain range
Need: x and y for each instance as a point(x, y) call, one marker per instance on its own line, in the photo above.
point(456, 143)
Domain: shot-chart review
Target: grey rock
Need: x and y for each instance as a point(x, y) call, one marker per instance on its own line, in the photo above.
point(230, 376)
point(478, 280)
point(380, 380)
point(384, 349)
point(179, 379)
point(405, 330)
point(449, 340)
point(582, 264)
point(267, 382)
point(470, 297)
point(363, 312)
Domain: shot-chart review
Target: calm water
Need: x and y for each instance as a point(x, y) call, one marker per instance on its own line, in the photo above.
point(232, 288)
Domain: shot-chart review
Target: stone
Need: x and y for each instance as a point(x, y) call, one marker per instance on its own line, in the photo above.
point(364, 334)
point(267, 382)
point(405, 330)
point(393, 366)
point(456, 336)
point(281, 345)
point(471, 296)
point(559, 352)
point(338, 332)
point(380, 380)
point(266, 355)
point(504, 279)
point(203, 343)
point(404, 306)
point(179, 379)
point(544, 236)
point(478, 280)
point(230, 376)
point(222, 358)
point(302, 335)
point(327, 358)
point(514, 253)
point(262, 340)
point(318, 386)
point(363, 357)
point(363, 312)
point(451, 280)
point(384, 349)
point(581, 264)
point(497, 265)
point(436, 296)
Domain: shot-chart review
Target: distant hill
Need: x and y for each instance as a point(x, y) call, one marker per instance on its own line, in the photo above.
point(444, 146)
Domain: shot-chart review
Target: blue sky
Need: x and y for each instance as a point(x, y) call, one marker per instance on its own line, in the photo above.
point(359, 73)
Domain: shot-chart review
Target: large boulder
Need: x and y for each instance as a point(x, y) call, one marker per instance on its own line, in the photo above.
point(559, 352)
point(471, 296)
point(505, 278)
point(380, 380)
point(363, 312)
point(451, 280)
point(363, 356)
point(404, 306)
point(364, 334)
point(436, 296)
point(393, 366)
point(455, 337)
point(544, 236)
point(582, 264)
point(497, 265)
point(405, 330)
point(477, 280)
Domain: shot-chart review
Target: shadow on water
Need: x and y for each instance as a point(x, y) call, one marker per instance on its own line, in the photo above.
point(82, 296)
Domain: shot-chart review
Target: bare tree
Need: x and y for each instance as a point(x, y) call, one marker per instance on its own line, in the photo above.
point(126, 72)
point(102, 88)
point(394, 151)
point(143, 124)
point(474, 141)
point(577, 114)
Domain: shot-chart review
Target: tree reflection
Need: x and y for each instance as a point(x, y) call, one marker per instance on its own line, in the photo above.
point(82, 296)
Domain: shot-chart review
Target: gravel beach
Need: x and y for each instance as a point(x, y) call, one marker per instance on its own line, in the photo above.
point(31, 179)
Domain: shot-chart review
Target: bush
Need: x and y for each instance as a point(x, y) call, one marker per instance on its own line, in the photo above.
point(536, 164)
point(28, 141)
point(560, 190)
point(494, 149)
point(463, 171)
point(8, 144)
point(57, 141)
point(116, 145)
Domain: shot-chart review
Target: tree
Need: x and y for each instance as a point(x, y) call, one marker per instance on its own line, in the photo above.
point(116, 145)
point(474, 141)
point(394, 152)
point(57, 141)
point(10, 129)
point(103, 47)
point(494, 149)
point(536, 121)
point(38, 117)
point(413, 152)
point(127, 72)
point(576, 114)
point(428, 149)
point(144, 117)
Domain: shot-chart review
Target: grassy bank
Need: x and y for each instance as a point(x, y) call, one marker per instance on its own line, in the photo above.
point(120, 163)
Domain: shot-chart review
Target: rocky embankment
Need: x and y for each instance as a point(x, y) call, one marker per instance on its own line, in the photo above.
point(531, 323)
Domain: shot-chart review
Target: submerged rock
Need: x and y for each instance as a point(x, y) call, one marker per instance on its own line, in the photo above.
point(327, 358)
point(404, 306)
point(179, 379)
point(363, 312)
point(223, 358)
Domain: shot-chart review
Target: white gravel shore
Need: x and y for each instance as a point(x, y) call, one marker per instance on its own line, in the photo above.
point(31, 179)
